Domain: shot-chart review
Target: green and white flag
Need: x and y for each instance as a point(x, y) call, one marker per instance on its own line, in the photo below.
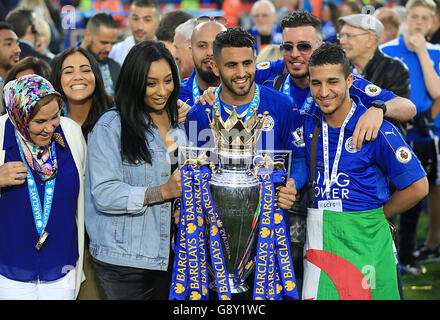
point(349, 256)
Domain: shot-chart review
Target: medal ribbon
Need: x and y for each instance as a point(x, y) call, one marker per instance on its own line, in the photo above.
point(41, 214)
point(325, 146)
point(195, 89)
point(286, 90)
point(254, 103)
point(217, 257)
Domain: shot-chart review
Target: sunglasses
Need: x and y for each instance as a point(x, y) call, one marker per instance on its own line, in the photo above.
point(218, 19)
point(302, 47)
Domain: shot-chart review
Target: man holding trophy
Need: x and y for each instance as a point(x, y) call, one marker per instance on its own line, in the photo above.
point(248, 129)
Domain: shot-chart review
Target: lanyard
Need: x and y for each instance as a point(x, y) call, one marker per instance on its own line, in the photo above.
point(325, 146)
point(41, 214)
point(254, 103)
point(286, 90)
point(195, 90)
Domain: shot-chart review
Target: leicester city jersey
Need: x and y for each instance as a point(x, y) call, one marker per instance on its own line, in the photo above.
point(361, 179)
point(277, 128)
point(419, 93)
point(190, 91)
point(364, 89)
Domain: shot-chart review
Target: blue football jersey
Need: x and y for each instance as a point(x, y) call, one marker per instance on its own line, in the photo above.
point(277, 132)
point(362, 176)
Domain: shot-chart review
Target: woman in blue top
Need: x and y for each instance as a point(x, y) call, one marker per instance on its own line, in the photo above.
point(41, 222)
point(132, 177)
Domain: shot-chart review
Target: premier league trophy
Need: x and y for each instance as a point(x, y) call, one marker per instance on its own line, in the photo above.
point(230, 225)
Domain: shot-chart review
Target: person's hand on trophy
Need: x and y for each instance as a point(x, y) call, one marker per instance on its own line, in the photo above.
point(287, 195)
point(173, 188)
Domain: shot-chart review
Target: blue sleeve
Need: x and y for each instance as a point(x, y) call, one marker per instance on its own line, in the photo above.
point(298, 172)
point(197, 127)
point(368, 92)
point(268, 70)
point(396, 158)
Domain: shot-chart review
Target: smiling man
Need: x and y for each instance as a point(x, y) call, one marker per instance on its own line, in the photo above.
point(9, 55)
point(234, 63)
point(99, 37)
point(346, 223)
point(143, 20)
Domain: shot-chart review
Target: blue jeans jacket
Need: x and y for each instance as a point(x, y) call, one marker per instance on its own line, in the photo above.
point(122, 230)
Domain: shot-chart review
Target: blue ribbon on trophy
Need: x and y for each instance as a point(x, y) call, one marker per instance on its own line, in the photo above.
point(179, 278)
point(216, 251)
point(229, 212)
point(282, 243)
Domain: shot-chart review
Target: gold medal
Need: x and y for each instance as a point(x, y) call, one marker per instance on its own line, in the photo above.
point(42, 239)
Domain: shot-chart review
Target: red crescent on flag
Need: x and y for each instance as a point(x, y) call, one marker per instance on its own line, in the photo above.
point(348, 280)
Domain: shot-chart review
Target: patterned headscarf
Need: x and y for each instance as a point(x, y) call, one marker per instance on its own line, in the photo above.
point(21, 97)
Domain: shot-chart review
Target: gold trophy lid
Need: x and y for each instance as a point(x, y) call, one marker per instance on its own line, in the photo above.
point(234, 135)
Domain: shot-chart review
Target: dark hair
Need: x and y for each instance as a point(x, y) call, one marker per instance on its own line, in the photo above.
point(100, 100)
point(40, 67)
point(235, 37)
point(5, 26)
point(21, 19)
point(297, 19)
point(169, 22)
point(330, 53)
point(129, 98)
point(146, 4)
point(101, 19)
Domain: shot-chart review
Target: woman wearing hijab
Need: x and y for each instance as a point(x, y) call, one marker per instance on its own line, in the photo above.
point(42, 159)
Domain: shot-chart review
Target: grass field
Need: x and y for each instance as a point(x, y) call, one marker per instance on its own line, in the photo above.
point(424, 286)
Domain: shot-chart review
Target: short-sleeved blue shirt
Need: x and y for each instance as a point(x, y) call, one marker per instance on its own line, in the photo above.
point(277, 130)
point(264, 71)
point(362, 176)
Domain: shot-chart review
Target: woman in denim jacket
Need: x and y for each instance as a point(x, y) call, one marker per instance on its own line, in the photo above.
point(131, 177)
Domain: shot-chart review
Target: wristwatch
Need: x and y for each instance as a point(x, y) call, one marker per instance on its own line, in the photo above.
point(379, 104)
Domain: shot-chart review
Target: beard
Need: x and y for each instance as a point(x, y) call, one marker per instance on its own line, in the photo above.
point(207, 75)
point(89, 49)
point(299, 75)
point(241, 92)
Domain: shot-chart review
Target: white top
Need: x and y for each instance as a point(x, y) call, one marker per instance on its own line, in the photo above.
point(121, 49)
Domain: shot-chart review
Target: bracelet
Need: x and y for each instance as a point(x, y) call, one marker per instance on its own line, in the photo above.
point(153, 195)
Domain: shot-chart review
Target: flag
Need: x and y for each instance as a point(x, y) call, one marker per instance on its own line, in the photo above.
point(349, 256)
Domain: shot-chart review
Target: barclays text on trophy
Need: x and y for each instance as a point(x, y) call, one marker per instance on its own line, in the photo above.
point(230, 226)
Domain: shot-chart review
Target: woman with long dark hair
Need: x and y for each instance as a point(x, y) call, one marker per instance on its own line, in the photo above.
point(76, 75)
point(132, 177)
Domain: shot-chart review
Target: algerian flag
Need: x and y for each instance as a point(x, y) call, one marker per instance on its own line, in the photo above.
point(349, 255)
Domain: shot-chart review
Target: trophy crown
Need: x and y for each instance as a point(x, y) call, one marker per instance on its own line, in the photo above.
point(234, 134)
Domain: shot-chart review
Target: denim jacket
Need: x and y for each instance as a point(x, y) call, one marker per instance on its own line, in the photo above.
point(122, 230)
